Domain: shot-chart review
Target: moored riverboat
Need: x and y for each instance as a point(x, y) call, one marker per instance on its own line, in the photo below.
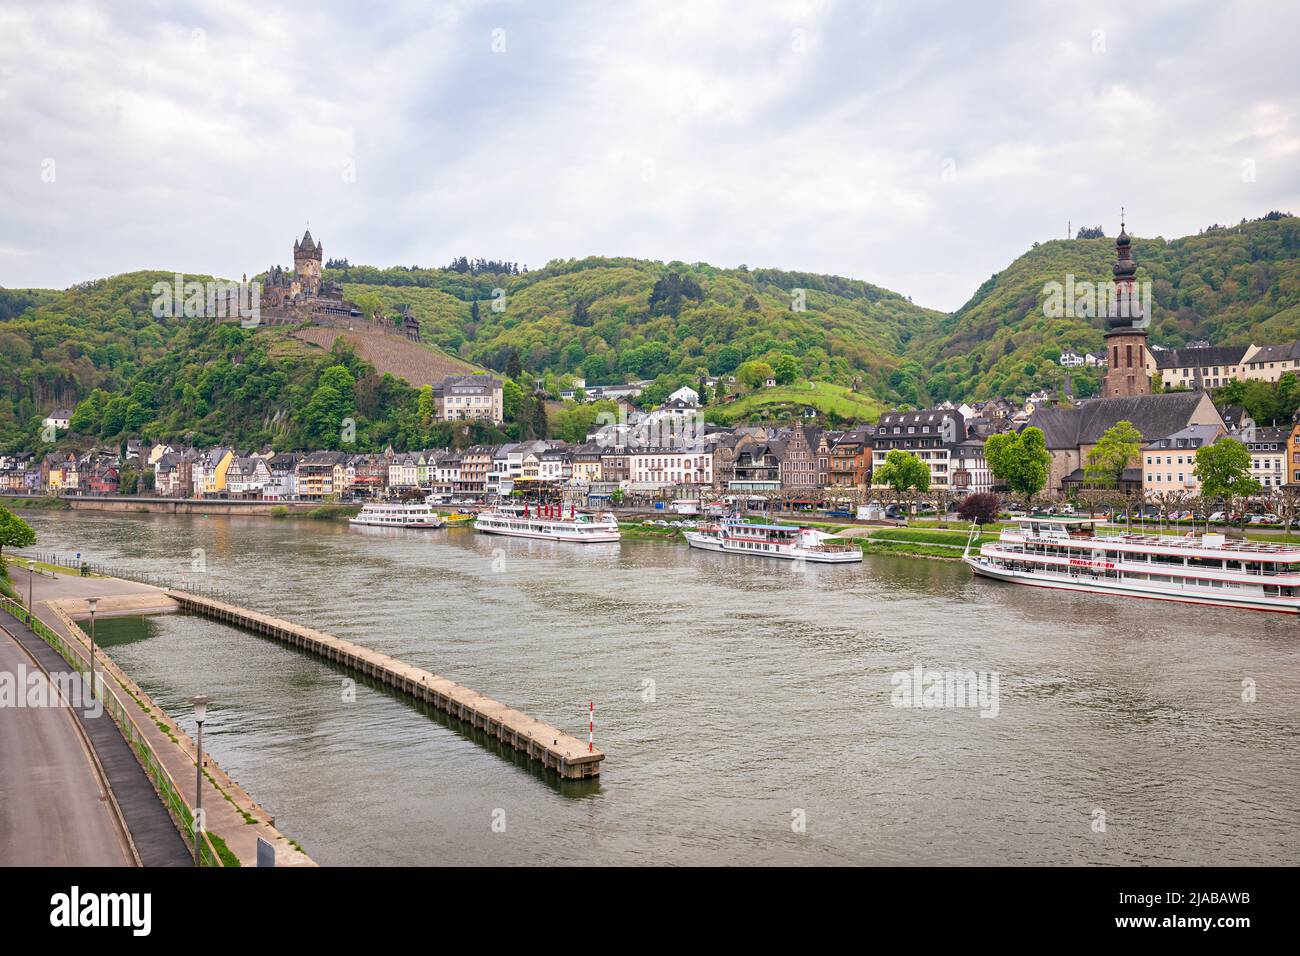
point(548, 522)
point(787, 542)
point(1078, 554)
point(394, 514)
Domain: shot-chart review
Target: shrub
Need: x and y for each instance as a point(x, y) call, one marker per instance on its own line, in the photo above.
point(981, 507)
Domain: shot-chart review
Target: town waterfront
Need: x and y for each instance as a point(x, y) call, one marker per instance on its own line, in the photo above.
point(730, 694)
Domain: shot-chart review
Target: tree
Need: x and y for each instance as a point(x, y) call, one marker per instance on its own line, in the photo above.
point(903, 472)
point(333, 401)
point(1020, 460)
point(786, 368)
point(1169, 502)
point(981, 507)
point(1118, 445)
point(1223, 470)
point(540, 423)
point(514, 369)
point(754, 374)
point(1285, 503)
point(671, 291)
point(426, 407)
point(14, 533)
point(726, 360)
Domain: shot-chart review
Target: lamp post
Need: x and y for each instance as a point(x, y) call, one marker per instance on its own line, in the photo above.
point(93, 602)
point(200, 714)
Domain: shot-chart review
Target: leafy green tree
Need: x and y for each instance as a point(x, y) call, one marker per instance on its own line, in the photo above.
point(1223, 470)
point(512, 400)
point(903, 472)
point(1020, 460)
point(754, 374)
point(727, 360)
point(426, 407)
point(332, 402)
point(514, 368)
point(14, 533)
point(786, 367)
point(1118, 445)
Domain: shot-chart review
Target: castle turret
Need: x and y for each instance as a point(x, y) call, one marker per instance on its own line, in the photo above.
point(1126, 333)
point(307, 263)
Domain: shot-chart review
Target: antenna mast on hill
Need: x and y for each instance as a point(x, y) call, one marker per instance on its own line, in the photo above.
point(1068, 228)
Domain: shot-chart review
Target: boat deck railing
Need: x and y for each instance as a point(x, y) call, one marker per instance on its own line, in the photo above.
point(1170, 541)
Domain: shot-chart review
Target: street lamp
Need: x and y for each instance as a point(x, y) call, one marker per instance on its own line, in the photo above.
point(93, 602)
point(200, 704)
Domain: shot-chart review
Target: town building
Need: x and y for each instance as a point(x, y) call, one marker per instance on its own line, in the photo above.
point(1169, 463)
point(656, 469)
point(757, 464)
point(930, 435)
point(799, 464)
point(1267, 447)
point(58, 419)
point(469, 398)
point(850, 459)
point(322, 475)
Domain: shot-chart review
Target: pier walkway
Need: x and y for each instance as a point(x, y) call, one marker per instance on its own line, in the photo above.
point(542, 743)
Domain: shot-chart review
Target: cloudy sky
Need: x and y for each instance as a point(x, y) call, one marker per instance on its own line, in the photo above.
point(920, 146)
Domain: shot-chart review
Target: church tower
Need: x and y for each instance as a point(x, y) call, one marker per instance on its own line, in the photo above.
point(1126, 328)
point(306, 264)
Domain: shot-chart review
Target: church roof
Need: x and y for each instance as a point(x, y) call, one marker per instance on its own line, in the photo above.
point(1154, 416)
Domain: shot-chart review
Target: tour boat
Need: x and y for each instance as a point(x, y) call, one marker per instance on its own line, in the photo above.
point(548, 522)
point(772, 541)
point(1073, 554)
point(386, 514)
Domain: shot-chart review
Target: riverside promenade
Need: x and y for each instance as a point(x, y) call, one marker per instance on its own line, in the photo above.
point(234, 820)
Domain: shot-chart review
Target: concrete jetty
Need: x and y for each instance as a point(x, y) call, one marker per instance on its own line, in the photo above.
point(552, 748)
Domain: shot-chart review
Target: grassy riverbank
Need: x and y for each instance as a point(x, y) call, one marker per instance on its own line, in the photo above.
point(42, 568)
point(44, 503)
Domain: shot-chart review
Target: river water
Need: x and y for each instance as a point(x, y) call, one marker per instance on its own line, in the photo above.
point(747, 709)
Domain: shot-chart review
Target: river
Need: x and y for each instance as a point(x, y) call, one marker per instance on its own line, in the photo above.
point(747, 709)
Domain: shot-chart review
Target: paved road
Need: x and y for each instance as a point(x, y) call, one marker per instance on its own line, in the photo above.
point(53, 811)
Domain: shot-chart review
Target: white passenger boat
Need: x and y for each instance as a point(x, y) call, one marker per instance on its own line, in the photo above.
point(772, 541)
point(548, 522)
point(395, 514)
point(1074, 554)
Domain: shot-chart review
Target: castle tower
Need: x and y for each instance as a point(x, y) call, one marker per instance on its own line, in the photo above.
point(1126, 332)
point(307, 264)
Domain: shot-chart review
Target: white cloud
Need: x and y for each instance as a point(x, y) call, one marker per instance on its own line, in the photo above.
point(917, 146)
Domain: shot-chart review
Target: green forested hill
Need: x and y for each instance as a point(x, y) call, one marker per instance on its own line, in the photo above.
point(613, 320)
point(1228, 286)
point(97, 348)
point(595, 318)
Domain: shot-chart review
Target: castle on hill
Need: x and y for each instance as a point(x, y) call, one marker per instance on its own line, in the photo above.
point(289, 298)
point(302, 295)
